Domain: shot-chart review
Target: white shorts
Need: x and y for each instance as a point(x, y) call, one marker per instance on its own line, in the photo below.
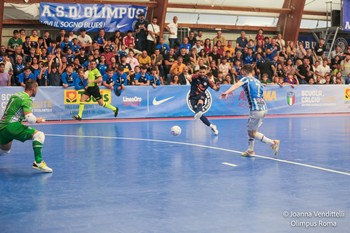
point(255, 120)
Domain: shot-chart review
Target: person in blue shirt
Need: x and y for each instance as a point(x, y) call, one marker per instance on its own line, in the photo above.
point(66, 44)
point(102, 65)
point(80, 82)
point(25, 76)
point(120, 80)
point(108, 79)
point(142, 78)
point(155, 79)
point(163, 48)
point(258, 109)
point(68, 77)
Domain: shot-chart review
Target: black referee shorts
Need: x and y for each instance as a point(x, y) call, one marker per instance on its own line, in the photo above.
point(93, 91)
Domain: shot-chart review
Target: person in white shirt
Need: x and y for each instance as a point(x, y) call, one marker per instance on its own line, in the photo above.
point(85, 40)
point(172, 28)
point(153, 35)
point(322, 70)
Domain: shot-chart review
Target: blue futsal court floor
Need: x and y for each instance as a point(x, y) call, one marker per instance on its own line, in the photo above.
point(133, 176)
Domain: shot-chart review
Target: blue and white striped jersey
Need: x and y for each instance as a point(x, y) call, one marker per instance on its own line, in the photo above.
point(255, 93)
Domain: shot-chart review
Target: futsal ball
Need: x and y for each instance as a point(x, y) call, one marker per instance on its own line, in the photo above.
point(175, 130)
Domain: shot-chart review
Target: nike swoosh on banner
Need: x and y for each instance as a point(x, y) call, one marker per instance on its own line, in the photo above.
point(121, 26)
point(158, 102)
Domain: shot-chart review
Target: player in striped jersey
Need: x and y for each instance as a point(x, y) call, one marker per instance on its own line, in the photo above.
point(254, 92)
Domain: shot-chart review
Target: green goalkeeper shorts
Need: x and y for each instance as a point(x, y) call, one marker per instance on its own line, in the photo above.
point(16, 131)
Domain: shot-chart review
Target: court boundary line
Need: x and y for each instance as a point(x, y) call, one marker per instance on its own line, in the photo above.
point(202, 146)
point(121, 120)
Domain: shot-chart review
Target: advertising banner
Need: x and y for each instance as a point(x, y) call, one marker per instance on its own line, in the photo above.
point(92, 17)
point(56, 103)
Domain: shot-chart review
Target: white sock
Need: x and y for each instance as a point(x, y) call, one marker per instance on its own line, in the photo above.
point(262, 138)
point(4, 152)
point(251, 144)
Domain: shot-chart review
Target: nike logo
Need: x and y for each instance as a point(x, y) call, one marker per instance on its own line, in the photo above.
point(121, 26)
point(158, 102)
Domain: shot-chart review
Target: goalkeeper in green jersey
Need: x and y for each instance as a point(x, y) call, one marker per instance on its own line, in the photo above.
point(94, 77)
point(19, 108)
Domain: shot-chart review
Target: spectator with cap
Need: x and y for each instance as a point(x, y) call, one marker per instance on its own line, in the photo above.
point(141, 32)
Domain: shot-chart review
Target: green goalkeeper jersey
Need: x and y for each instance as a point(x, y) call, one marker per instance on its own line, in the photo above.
point(18, 104)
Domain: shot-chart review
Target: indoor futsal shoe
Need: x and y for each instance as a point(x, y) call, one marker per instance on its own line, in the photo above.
point(76, 117)
point(116, 111)
point(42, 166)
point(275, 146)
point(215, 129)
point(248, 153)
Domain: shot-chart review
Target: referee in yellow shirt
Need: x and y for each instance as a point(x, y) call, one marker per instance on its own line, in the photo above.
point(94, 77)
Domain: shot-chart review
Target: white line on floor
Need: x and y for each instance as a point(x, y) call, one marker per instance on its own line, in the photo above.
point(229, 164)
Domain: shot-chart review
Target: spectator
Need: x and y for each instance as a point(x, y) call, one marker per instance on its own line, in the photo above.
point(72, 36)
point(175, 80)
point(43, 74)
point(163, 48)
point(304, 72)
point(224, 66)
point(155, 79)
point(27, 45)
point(153, 35)
point(157, 61)
point(120, 81)
point(25, 76)
point(219, 37)
point(280, 41)
point(47, 39)
point(193, 57)
point(183, 77)
point(185, 44)
point(109, 78)
point(22, 34)
point(214, 56)
point(108, 54)
point(5, 79)
point(260, 37)
point(102, 65)
point(54, 76)
point(319, 50)
point(192, 39)
point(80, 81)
point(207, 46)
point(229, 47)
point(142, 78)
point(14, 42)
point(291, 79)
point(169, 60)
point(172, 28)
point(18, 69)
point(141, 32)
point(129, 39)
point(220, 47)
point(241, 41)
point(144, 59)
point(200, 36)
point(66, 44)
point(60, 37)
point(176, 69)
point(323, 69)
point(100, 39)
point(34, 36)
point(185, 56)
point(203, 55)
point(345, 67)
point(198, 46)
point(117, 40)
point(68, 77)
point(132, 60)
point(85, 40)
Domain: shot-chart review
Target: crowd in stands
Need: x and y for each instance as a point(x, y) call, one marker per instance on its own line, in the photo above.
point(143, 57)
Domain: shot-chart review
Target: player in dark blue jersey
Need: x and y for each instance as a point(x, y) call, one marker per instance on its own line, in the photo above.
point(197, 97)
point(254, 92)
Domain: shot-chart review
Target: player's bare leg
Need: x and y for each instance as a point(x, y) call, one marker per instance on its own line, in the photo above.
point(5, 149)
